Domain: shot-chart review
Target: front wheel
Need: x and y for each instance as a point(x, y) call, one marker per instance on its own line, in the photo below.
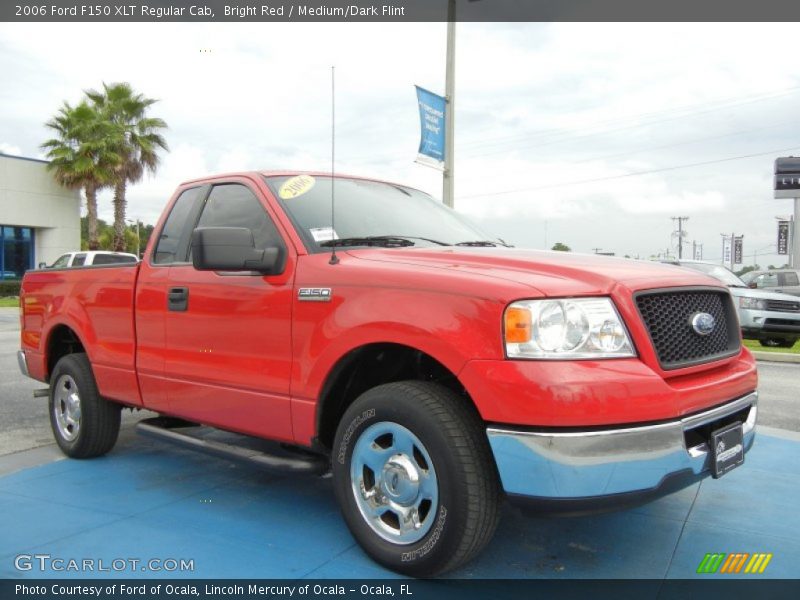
point(415, 478)
point(778, 342)
point(84, 424)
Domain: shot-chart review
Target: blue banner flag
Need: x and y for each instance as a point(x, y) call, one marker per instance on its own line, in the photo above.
point(431, 117)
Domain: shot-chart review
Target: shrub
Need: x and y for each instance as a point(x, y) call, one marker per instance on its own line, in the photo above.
point(9, 288)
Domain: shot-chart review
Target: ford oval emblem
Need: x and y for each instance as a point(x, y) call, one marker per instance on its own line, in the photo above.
point(703, 323)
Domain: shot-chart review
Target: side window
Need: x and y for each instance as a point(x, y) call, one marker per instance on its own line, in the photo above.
point(61, 261)
point(790, 279)
point(767, 280)
point(174, 236)
point(79, 260)
point(234, 205)
point(112, 259)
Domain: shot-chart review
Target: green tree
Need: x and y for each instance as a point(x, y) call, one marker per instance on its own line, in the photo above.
point(82, 156)
point(747, 269)
point(137, 139)
point(561, 247)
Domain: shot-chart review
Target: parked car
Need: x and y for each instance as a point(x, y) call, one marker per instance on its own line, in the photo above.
point(90, 258)
point(771, 318)
point(774, 280)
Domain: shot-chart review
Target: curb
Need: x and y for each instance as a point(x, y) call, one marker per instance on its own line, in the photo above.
point(783, 357)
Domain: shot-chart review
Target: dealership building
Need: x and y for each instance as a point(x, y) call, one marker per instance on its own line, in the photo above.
point(39, 219)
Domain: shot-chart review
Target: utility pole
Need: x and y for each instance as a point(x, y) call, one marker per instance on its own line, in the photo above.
point(448, 177)
point(680, 221)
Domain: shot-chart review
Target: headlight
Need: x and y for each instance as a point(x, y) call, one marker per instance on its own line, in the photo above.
point(754, 303)
point(565, 329)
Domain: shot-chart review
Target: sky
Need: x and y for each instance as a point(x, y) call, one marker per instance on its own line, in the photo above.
point(593, 135)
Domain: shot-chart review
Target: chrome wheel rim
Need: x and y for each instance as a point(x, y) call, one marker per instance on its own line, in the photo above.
point(394, 483)
point(67, 407)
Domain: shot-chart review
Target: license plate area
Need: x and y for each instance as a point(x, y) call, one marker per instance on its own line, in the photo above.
point(727, 449)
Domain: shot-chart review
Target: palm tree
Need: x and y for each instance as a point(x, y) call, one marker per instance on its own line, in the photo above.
point(82, 156)
point(138, 138)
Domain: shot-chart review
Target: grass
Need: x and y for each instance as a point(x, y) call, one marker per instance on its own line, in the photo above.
point(9, 302)
point(755, 345)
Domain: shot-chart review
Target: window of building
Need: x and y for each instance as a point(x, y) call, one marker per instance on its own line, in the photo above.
point(16, 251)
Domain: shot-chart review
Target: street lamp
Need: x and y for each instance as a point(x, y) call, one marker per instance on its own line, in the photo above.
point(138, 237)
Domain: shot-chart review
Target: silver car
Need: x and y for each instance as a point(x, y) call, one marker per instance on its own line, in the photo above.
point(774, 280)
point(769, 317)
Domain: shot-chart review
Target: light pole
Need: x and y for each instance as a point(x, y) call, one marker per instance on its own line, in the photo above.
point(450, 98)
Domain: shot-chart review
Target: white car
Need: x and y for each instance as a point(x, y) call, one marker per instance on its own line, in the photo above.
point(90, 258)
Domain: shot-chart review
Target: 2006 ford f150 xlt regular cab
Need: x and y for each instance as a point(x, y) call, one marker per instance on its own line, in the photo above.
point(433, 369)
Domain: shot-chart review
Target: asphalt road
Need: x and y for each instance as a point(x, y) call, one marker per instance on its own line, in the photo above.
point(24, 422)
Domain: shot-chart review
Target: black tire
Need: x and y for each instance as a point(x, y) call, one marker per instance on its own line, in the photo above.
point(778, 342)
point(467, 507)
point(96, 428)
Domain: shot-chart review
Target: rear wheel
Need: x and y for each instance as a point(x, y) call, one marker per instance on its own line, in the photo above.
point(415, 478)
point(84, 424)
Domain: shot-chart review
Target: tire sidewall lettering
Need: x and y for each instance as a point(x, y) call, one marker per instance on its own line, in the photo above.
point(350, 431)
point(432, 540)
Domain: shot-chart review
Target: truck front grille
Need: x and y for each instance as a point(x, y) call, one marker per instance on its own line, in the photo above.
point(667, 315)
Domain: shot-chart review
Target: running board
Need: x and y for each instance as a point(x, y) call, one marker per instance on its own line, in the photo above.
point(271, 455)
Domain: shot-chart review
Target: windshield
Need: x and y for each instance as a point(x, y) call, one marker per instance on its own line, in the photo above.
point(718, 272)
point(749, 276)
point(369, 209)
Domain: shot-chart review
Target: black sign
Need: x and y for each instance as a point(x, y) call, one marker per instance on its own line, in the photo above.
point(738, 250)
point(787, 177)
point(783, 237)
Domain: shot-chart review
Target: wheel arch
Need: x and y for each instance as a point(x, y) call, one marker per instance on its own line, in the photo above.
point(371, 365)
point(61, 341)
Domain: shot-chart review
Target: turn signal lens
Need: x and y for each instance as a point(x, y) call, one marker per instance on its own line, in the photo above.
point(518, 325)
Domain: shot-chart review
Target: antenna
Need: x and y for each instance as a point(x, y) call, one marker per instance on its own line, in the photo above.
point(334, 259)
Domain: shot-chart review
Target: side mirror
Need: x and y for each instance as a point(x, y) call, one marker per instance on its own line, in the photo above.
point(752, 285)
point(233, 249)
point(42, 265)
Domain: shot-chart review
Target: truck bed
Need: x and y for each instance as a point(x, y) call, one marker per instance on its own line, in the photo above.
point(97, 301)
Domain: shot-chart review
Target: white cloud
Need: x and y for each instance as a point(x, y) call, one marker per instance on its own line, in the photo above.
point(10, 149)
point(539, 106)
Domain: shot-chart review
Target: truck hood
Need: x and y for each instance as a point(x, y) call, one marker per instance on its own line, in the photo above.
point(549, 273)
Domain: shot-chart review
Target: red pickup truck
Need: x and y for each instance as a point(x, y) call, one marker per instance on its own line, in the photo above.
point(432, 368)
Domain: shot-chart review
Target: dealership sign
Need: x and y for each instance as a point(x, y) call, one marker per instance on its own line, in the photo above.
point(432, 109)
point(787, 177)
point(738, 250)
point(783, 237)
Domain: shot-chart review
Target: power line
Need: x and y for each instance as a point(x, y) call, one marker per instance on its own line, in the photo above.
point(634, 174)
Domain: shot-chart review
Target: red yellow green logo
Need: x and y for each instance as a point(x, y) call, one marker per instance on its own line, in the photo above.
point(734, 563)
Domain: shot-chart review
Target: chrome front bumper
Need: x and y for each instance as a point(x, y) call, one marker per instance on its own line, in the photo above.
point(579, 465)
point(22, 361)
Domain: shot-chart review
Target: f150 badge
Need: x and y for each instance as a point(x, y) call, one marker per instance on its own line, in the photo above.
point(315, 294)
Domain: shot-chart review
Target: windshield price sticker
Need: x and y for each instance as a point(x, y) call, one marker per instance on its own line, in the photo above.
point(323, 234)
point(296, 186)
